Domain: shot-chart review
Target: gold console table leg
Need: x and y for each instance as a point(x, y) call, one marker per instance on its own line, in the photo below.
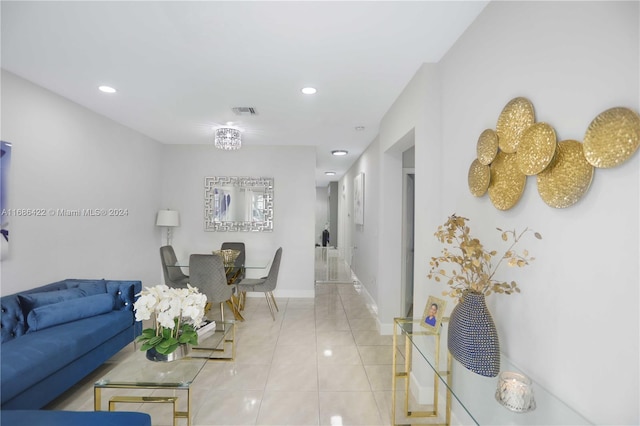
point(406, 375)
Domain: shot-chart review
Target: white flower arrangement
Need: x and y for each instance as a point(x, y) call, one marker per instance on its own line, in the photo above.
point(177, 313)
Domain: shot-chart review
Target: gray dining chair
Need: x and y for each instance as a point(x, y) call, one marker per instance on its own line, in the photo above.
point(173, 275)
point(265, 285)
point(237, 272)
point(207, 273)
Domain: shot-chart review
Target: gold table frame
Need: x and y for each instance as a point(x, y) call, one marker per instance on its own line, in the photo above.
point(204, 352)
point(438, 374)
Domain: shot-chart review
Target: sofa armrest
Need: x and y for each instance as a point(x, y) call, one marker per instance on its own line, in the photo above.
point(124, 292)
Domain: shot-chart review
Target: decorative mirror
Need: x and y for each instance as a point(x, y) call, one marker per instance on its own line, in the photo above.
point(234, 203)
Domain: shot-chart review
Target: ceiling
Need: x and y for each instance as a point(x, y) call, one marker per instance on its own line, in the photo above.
point(180, 67)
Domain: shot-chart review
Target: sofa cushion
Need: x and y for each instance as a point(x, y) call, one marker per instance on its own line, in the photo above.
point(33, 300)
point(70, 310)
point(34, 356)
point(89, 287)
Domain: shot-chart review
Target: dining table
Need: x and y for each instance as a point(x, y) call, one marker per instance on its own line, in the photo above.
point(233, 272)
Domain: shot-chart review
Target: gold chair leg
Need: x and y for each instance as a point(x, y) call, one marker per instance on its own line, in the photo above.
point(270, 307)
point(274, 301)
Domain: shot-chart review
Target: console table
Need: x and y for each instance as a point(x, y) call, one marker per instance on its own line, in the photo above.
point(431, 387)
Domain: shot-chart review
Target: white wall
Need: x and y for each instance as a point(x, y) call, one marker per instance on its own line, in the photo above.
point(360, 245)
point(184, 168)
point(575, 327)
point(67, 157)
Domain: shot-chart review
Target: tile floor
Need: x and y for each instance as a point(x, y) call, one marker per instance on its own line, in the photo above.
point(321, 362)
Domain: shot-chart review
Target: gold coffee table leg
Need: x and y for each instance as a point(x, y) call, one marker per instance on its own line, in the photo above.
point(156, 399)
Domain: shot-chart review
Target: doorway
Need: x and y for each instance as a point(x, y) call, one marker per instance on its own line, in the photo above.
point(408, 223)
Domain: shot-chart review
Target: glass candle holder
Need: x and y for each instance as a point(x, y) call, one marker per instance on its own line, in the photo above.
point(515, 392)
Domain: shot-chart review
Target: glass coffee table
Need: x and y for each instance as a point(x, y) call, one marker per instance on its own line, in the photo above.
point(137, 372)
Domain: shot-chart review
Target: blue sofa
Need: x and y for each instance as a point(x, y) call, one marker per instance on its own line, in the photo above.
point(54, 335)
point(73, 418)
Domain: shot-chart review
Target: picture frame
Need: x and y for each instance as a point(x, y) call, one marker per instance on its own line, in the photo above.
point(358, 199)
point(5, 162)
point(432, 318)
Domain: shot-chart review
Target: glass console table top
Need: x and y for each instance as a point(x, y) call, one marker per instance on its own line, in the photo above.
point(473, 396)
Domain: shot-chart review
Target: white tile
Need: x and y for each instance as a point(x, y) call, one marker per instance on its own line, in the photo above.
point(349, 408)
point(340, 377)
point(293, 355)
point(242, 377)
point(333, 354)
point(332, 324)
point(380, 354)
point(289, 408)
point(336, 338)
point(371, 338)
point(228, 408)
point(302, 377)
point(380, 376)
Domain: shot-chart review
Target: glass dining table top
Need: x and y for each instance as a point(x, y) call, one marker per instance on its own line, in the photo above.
point(251, 265)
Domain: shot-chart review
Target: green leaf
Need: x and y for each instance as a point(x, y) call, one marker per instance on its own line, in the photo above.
point(155, 340)
point(167, 343)
point(146, 347)
point(148, 333)
point(165, 350)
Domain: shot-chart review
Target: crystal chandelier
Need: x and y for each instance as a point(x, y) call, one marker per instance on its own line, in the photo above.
point(228, 138)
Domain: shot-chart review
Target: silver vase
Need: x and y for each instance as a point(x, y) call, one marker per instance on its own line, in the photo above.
point(181, 352)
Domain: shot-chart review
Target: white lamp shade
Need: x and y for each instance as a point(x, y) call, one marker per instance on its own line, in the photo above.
point(168, 218)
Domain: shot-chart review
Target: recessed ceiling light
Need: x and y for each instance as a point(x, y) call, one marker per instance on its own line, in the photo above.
point(107, 89)
point(330, 173)
point(309, 90)
point(339, 152)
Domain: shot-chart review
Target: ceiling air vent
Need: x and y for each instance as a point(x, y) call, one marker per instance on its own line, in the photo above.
point(244, 111)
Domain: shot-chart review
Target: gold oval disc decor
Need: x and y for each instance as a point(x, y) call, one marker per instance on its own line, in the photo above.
point(515, 118)
point(479, 177)
point(567, 178)
point(612, 137)
point(536, 149)
point(487, 147)
point(507, 181)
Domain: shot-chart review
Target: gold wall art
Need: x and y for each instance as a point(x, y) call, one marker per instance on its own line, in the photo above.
point(612, 137)
point(487, 147)
point(515, 118)
point(567, 178)
point(520, 147)
point(479, 177)
point(507, 181)
point(536, 149)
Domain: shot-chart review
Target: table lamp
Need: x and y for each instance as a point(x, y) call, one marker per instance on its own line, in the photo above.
point(168, 218)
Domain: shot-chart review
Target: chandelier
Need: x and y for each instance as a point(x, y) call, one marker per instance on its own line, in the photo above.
point(228, 138)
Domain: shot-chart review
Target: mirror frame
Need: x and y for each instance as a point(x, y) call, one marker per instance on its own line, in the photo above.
point(210, 183)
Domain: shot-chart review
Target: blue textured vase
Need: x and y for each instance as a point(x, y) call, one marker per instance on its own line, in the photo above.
point(473, 338)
